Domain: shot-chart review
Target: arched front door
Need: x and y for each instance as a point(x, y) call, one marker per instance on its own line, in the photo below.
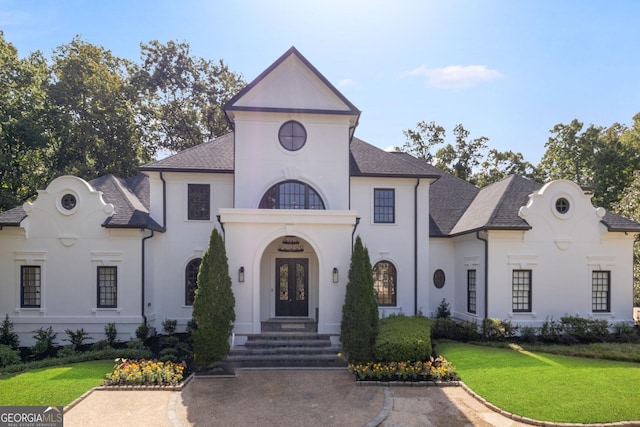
point(292, 281)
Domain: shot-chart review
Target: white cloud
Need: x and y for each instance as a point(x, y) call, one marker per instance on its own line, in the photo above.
point(347, 82)
point(455, 77)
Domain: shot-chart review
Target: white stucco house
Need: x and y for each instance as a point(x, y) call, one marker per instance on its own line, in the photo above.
point(289, 189)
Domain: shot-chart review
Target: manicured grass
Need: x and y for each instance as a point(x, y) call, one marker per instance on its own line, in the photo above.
point(53, 386)
point(548, 387)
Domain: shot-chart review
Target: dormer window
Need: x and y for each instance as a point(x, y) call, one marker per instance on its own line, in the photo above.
point(292, 135)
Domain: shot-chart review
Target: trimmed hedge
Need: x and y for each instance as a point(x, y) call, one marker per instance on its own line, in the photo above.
point(404, 338)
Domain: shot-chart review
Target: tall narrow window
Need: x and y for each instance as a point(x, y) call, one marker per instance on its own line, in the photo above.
point(384, 283)
point(199, 204)
point(521, 291)
point(107, 287)
point(384, 205)
point(471, 291)
point(30, 286)
point(601, 291)
point(191, 280)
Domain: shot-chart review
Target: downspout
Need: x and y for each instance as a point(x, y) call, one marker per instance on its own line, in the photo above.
point(164, 201)
point(144, 239)
point(415, 247)
point(355, 226)
point(221, 227)
point(485, 239)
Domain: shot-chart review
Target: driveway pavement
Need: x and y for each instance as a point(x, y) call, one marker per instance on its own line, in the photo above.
point(284, 398)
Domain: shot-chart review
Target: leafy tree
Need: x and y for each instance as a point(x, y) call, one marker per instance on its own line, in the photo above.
point(601, 158)
point(501, 164)
point(420, 142)
point(91, 113)
point(359, 327)
point(464, 157)
point(22, 132)
point(629, 206)
point(213, 306)
point(182, 96)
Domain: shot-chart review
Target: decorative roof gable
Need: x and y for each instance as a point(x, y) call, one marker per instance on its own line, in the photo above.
point(291, 84)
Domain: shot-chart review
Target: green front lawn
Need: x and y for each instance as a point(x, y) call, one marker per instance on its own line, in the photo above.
point(53, 386)
point(548, 387)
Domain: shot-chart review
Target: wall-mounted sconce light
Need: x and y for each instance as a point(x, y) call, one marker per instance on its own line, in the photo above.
point(335, 274)
point(241, 274)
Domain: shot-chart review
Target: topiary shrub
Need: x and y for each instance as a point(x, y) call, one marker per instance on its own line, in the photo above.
point(404, 339)
point(443, 312)
point(142, 332)
point(213, 306)
point(359, 327)
point(111, 332)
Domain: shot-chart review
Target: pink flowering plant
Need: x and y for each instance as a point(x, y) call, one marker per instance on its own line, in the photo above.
point(145, 372)
point(434, 369)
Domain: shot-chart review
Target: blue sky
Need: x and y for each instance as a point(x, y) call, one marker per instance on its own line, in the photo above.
point(508, 70)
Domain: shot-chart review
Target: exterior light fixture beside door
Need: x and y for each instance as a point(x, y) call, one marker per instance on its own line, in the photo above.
point(335, 274)
point(241, 274)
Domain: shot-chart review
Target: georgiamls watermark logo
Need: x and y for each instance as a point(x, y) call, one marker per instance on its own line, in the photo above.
point(31, 416)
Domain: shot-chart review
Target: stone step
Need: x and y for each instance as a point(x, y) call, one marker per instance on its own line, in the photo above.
point(302, 350)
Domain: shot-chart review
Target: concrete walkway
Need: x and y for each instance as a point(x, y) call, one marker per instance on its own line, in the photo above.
point(284, 398)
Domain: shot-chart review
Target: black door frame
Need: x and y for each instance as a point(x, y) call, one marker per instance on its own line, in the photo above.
point(292, 304)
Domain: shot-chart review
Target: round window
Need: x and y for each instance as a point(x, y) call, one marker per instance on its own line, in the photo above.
point(292, 135)
point(438, 278)
point(68, 201)
point(562, 205)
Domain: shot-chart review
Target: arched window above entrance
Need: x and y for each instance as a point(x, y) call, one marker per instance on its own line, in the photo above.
point(291, 195)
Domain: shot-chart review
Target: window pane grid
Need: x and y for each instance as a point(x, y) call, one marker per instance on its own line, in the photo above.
point(30, 283)
point(521, 290)
point(291, 195)
point(384, 283)
point(107, 287)
point(600, 291)
point(471, 291)
point(191, 280)
point(199, 202)
point(383, 205)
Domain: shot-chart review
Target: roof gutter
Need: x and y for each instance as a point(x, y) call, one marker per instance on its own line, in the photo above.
point(484, 236)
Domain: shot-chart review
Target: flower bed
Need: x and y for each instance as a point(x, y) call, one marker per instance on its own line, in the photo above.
point(145, 373)
point(438, 369)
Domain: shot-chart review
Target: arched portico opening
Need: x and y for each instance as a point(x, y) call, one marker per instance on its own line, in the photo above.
point(289, 279)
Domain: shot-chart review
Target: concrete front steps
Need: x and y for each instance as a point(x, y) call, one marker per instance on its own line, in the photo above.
point(285, 350)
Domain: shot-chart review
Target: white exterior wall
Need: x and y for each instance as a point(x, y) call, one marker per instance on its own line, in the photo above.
point(561, 251)
point(261, 162)
point(169, 253)
point(69, 246)
point(395, 242)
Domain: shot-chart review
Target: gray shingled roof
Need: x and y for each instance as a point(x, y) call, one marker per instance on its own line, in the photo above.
point(496, 206)
point(367, 160)
point(12, 217)
point(615, 222)
point(129, 210)
point(213, 156)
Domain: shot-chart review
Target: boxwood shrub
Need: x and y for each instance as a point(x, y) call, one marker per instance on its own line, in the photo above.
point(404, 339)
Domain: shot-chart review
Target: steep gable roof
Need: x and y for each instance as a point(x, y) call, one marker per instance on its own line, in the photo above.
point(285, 89)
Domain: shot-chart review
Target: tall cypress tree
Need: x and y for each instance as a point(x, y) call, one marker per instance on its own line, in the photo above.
point(359, 328)
point(213, 306)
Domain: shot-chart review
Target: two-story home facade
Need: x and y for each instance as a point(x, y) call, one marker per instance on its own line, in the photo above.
point(289, 189)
